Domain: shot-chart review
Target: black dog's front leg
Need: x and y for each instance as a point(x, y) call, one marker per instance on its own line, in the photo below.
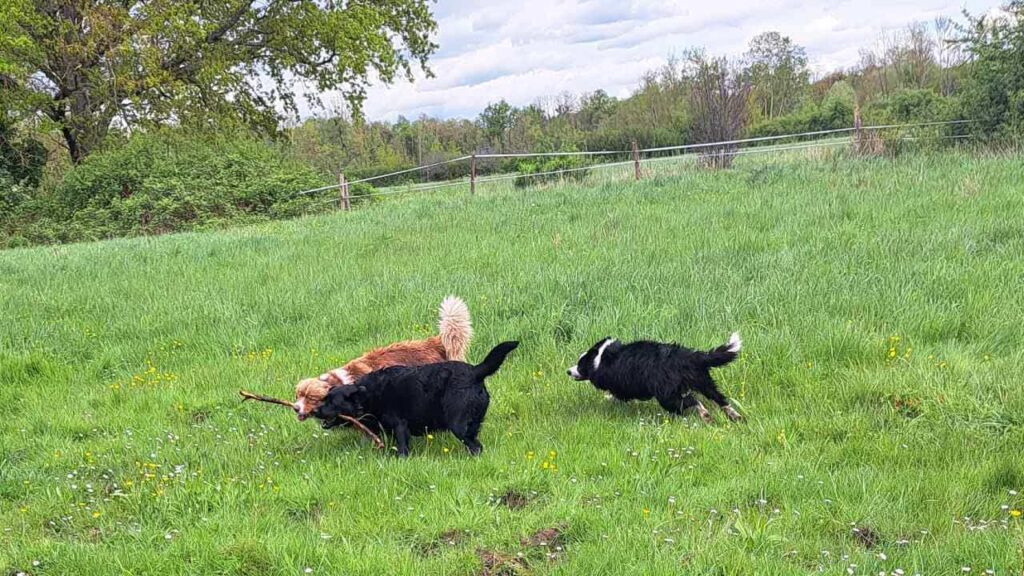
point(402, 439)
point(400, 430)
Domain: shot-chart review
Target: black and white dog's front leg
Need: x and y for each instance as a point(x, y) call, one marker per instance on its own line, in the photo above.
point(687, 401)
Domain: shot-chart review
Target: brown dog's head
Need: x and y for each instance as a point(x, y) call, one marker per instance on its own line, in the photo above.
point(309, 395)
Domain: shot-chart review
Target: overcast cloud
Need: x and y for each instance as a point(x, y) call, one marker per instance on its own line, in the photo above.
point(521, 50)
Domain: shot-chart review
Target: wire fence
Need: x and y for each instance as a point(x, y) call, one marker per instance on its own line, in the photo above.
point(642, 160)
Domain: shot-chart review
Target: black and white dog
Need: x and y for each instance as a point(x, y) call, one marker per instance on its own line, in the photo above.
point(668, 372)
point(413, 400)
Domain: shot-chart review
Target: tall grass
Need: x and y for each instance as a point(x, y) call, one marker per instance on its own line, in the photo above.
point(879, 301)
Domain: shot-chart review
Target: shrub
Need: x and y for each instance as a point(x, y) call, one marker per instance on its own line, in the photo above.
point(834, 112)
point(915, 107)
point(554, 169)
point(22, 157)
point(171, 181)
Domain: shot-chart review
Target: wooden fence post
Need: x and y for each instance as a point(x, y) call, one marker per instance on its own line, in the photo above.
point(343, 199)
point(472, 174)
point(858, 133)
point(636, 160)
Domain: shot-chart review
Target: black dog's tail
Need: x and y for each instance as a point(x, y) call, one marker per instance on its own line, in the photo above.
point(725, 353)
point(494, 359)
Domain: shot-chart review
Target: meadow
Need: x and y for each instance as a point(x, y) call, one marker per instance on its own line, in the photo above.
point(879, 300)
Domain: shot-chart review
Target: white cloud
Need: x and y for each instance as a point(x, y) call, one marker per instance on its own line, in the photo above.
point(523, 50)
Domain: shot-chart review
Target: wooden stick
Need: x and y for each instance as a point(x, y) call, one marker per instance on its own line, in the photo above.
point(250, 396)
point(353, 421)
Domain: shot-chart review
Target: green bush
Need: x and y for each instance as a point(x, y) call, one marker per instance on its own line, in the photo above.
point(829, 115)
point(22, 159)
point(834, 112)
point(555, 169)
point(915, 107)
point(169, 181)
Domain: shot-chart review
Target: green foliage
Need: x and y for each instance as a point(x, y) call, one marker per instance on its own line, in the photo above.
point(21, 166)
point(834, 112)
point(167, 182)
point(777, 69)
point(536, 172)
point(22, 156)
point(912, 106)
point(994, 94)
point(361, 192)
point(496, 120)
point(82, 63)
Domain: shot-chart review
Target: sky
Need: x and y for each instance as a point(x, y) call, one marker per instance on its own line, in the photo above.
point(525, 49)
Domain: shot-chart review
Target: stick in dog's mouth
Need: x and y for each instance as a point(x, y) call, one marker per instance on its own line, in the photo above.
point(353, 421)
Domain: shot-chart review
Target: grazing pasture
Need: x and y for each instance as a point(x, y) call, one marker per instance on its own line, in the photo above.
point(880, 304)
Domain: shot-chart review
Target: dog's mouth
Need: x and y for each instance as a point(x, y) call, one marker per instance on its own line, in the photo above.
point(574, 373)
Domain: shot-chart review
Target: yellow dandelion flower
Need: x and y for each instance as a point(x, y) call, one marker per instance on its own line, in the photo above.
point(529, 455)
point(552, 454)
point(96, 514)
point(430, 436)
point(23, 510)
point(445, 450)
point(647, 512)
point(1015, 513)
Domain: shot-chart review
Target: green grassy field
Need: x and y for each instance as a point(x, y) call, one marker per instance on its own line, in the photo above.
point(880, 303)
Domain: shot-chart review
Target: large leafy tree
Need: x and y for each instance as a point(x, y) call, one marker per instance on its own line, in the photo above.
point(777, 69)
point(496, 120)
point(994, 93)
point(89, 64)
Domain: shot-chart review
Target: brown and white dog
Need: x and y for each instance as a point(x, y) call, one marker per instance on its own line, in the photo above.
point(454, 333)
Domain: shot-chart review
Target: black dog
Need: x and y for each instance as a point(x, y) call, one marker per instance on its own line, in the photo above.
point(406, 401)
point(669, 372)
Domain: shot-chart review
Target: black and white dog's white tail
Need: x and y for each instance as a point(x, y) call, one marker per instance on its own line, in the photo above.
point(725, 353)
point(494, 359)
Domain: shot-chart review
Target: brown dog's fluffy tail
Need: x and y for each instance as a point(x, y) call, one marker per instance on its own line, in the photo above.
point(455, 328)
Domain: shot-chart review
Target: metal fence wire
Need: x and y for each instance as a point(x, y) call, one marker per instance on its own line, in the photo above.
point(642, 160)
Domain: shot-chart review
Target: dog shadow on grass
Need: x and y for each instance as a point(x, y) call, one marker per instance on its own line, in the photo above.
point(605, 409)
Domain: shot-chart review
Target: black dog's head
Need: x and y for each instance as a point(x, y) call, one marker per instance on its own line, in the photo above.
point(341, 401)
point(590, 360)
